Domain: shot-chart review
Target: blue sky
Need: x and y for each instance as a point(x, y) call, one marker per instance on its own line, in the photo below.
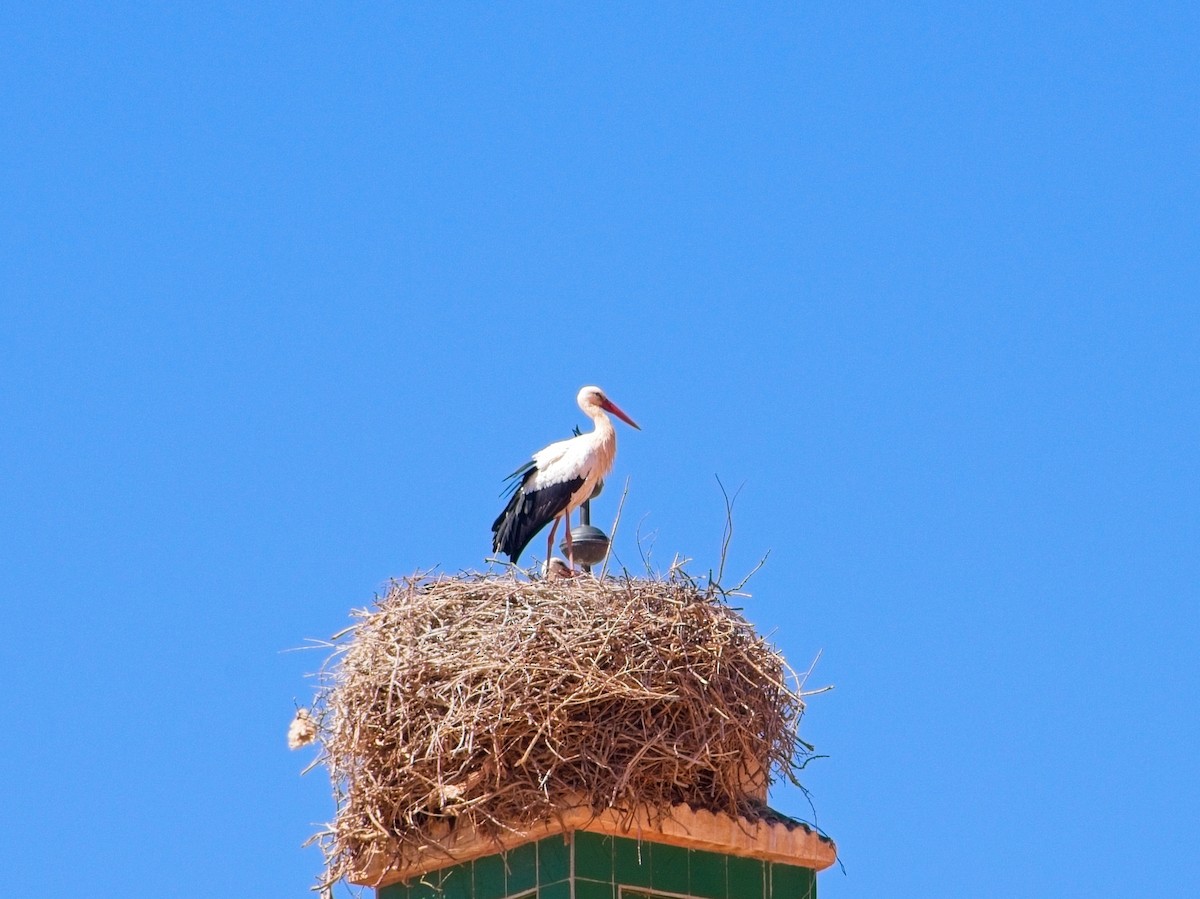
point(287, 290)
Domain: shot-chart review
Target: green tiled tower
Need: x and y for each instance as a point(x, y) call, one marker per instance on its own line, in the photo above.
point(773, 859)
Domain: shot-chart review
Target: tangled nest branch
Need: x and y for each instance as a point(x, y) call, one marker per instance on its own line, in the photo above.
point(489, 702)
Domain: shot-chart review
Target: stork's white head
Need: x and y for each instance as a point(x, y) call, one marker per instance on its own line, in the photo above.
point(556, 568)
point(592, 400)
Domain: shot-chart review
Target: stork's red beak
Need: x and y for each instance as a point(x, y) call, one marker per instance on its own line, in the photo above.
point(610, 406)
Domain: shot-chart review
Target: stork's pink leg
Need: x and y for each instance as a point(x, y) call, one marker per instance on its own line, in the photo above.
point(570, 547)
point(550, 543)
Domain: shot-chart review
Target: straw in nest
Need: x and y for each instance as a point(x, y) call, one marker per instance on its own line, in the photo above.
point(490, 702)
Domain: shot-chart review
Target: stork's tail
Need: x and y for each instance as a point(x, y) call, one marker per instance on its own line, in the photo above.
point(508, 536)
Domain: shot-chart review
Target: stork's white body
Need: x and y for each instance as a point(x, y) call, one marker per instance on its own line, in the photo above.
point(588, 456)
point(558, 479)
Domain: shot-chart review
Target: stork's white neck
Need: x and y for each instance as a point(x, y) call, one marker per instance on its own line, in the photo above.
point(603, 439)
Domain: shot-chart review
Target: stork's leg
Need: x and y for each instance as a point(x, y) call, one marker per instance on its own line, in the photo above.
point(570, 547)
point(550, 542)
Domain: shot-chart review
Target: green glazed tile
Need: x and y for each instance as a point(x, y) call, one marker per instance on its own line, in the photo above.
point(669, 868)
point(522, 869)
point(560, 890)
point(631, 862)
point(593, 856)
point(489, 877)
point(745, 877)
point(424, 886)
point(791, 882)
point(706, 875)
point(457, 882)
point(591, 889)
point(554, 859)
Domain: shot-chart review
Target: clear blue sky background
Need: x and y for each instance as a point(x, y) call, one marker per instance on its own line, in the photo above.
point(286, 289)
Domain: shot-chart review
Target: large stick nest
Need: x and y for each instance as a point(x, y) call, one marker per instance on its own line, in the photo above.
point(491, 702)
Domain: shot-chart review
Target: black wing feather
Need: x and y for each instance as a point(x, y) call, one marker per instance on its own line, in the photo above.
point(528, 512)
point(518, 478)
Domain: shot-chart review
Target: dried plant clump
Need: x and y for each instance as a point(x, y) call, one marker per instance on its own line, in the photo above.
point(302, 730)
point(491, 703)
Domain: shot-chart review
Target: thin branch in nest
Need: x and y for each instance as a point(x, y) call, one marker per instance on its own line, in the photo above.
point(644, 551)
point(612, 534)
point(727, 534)
point(736, 590)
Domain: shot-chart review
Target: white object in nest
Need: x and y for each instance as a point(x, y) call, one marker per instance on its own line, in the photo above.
point(302, 731)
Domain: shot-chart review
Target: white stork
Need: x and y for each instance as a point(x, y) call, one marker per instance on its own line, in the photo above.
point(558, 479)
